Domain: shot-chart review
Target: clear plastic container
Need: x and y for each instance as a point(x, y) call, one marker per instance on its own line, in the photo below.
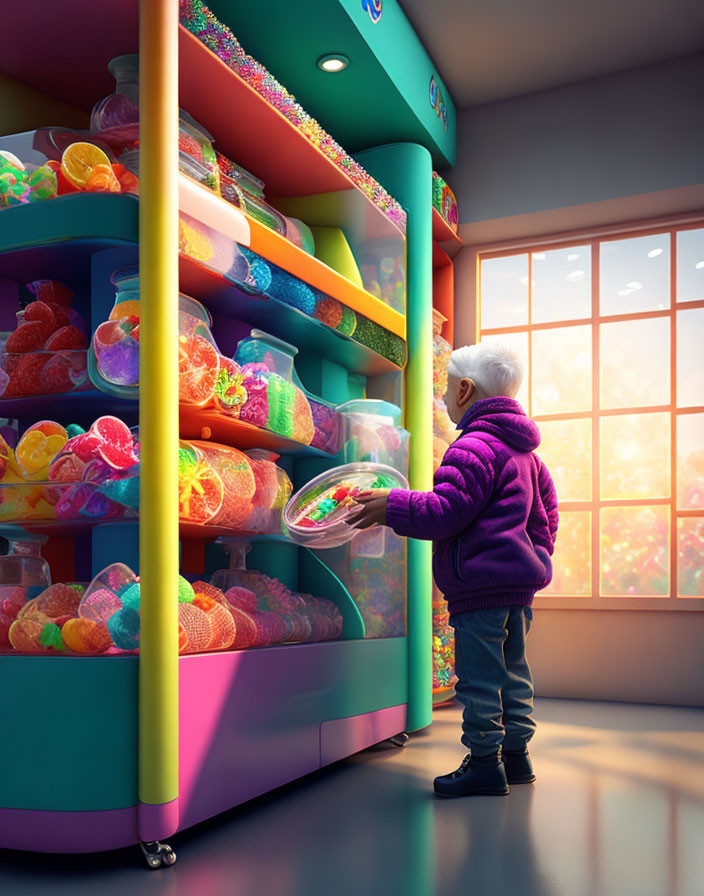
point(115, 119)
point(113, 361)
point(301, 617)
point(23, 565)
point(373, 433)
point(316, 516)
point(382, 264)
point(46, 354)
point(373, 568)
point(213, 250)
point(222, 487)
point(444, 202)
point(276, 399)
point(277, 283)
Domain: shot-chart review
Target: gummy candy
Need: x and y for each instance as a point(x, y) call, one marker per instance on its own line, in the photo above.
point(124, 627)
point(201, 489)
point(186, 592)
point(85, 636)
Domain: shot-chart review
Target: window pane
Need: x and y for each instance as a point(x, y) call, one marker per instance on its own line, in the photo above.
point(635, 363)
point(690, 265)
point(690, 358)
point(690, 557)
point(504, 292)
point(690, 461)
point(562, 284)
point(635, 551)
point(635, 274)
point(572, 560)
point(562, 370)
point(519, 342)
point(635, 456)
point(566, 448)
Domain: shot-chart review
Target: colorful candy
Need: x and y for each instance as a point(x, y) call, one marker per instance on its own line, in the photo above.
point(46, 354)
point(200, 21)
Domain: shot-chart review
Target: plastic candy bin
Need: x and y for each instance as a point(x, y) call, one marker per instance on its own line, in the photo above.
point(316, 516)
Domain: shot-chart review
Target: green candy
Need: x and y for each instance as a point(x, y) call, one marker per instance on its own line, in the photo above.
point(186, 593)
point(348, 324)
point(51, 636)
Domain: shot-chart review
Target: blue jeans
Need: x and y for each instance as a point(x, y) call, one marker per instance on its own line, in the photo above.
point(495, 685)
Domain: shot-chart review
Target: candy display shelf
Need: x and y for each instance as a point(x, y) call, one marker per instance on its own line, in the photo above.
point(57, 238)
point(78, 407)
point(171, 740)
point(269, 145)
point(442, 232)
point(280, 320)
point(206, 207)
point(208, 424)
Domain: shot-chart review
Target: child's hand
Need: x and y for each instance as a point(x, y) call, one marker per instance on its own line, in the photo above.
point(371, 510)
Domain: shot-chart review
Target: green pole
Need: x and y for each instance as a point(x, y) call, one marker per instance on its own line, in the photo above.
point(405, 170)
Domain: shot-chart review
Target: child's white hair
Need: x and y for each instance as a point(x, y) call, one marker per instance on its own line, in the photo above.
point(493, 367)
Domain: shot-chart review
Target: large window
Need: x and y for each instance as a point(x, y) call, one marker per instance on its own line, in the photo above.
point(611, 331)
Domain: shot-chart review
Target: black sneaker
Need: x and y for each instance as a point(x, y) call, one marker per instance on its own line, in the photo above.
point(483, 776)
point(519, 769)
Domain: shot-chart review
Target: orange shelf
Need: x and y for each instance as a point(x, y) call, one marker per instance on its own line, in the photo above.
point(206, 424)
point(442, 232)
point(199, 531)
point(255, 134)
point(206, 207)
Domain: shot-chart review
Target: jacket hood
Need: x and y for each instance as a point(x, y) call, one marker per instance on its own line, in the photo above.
point(505, 419)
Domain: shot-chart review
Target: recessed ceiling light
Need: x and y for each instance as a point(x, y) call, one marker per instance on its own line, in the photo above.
point(654, 253)
point(575, 276)
point(573, 256)
point(539, 256)
point(634, 284)
point(699, 265)
point(333, 62)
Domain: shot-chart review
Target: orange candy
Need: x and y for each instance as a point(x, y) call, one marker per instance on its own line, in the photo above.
point(102, 179)
point(200, 492)
point(128, 181)
point(85, 636)
point(24, 635)
point(196, 626)
point(198, 368)
point(221, 622)
point(78, 161)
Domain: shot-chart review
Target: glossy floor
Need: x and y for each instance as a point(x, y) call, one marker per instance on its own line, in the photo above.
point(618, 810)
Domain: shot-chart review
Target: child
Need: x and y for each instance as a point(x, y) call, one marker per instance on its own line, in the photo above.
point(493, 516)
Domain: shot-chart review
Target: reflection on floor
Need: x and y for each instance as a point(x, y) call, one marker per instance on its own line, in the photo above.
point(618, 810)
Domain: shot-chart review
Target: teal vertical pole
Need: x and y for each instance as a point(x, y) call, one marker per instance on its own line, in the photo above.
point(405, 170)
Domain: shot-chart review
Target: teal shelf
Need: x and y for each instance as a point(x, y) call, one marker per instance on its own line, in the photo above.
point(54, 239)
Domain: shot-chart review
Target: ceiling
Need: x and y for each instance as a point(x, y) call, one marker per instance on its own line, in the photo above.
point(488, 50)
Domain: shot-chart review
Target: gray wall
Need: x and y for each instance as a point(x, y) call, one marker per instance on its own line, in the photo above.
point(622, 148)
point(625, 134)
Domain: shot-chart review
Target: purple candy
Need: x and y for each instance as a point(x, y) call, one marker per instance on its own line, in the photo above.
point(119, 363)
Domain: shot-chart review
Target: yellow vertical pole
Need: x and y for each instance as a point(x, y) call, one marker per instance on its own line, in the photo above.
point(158, 401)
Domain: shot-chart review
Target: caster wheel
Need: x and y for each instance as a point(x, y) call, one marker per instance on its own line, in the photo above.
point(399, 740)
point(157, 854)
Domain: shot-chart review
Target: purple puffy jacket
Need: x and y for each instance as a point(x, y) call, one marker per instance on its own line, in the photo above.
point(492, 512)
